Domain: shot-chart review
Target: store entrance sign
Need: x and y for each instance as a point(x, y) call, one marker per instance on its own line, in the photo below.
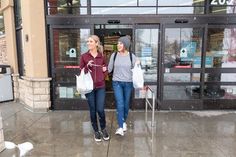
point(221, 2)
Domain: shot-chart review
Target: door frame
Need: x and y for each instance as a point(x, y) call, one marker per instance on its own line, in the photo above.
point(62, 103)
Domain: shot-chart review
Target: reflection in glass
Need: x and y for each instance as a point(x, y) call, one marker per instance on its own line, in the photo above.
point(68, 45)
point(181, 3)
point(75, 7)
point(222, 92)
point(146, 48)
point(183, 47)
point(184, 92)
point(180, 10)
point(181, 77)
point(2, 29)
point(125, 10)
point(230, 92)
point(141, 93)
point(147, 2)
point(113, 3)
point(222, 10)
point(222, 47)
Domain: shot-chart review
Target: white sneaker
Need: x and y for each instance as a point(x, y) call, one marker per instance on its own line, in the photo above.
point(124, 126)
point(120, 132)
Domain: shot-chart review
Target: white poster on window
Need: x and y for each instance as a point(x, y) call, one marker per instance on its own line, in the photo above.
point(62, 92)
point(69, 93)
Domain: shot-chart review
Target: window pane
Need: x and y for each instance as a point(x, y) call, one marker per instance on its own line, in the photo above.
point(222, 47)
point(183, 48)
point(67, 7)
point(222, 10)
point(181, 3)
point(18, 15)
point(146, 48)
point(2, 29)
point(141, 93)
point(181, 92)
point(68, 92)
point(147, 2)
point(181, 77)
point(113, 3)
point(119, 10)
point(180, 10)
point(219, 91)
point(66, 40)
point(221, 77)
point(68, 46)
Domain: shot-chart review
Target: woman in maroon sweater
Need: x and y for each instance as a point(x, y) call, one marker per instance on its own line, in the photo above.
point(93, 61)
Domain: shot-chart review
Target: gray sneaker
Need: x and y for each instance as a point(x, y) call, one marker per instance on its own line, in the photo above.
point(97, 136)
point(105, 135)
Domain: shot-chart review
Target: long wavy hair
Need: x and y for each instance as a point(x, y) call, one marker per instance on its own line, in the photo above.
point(97, 40)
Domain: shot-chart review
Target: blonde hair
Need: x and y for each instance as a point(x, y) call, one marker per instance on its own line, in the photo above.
point(97, 40)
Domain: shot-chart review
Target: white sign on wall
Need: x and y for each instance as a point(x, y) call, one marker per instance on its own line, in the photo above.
point(72, 53)
point(221, 2)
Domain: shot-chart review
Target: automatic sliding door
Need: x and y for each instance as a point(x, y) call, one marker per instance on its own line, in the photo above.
point(146, 49)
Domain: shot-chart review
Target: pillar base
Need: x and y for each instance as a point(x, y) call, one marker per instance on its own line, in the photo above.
point(34, 93)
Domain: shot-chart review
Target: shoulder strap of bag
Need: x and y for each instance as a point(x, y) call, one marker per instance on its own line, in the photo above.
point(131, 59)
point(114, 58)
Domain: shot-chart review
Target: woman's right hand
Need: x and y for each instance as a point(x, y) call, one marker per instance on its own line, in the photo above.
point(90, 63)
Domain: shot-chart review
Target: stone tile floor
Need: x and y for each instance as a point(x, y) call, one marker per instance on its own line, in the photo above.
point(69, 134)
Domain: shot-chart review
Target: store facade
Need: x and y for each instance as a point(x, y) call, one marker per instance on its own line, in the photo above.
point(186, 47)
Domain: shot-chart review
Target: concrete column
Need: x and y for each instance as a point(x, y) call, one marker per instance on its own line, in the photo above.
point(34, 87)
point(10, 35)
point(34, 38)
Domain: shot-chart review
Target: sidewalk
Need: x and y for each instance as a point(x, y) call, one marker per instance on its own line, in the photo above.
point(69, 134)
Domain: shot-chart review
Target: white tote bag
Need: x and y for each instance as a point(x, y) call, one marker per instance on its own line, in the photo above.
point(138, 80)
point(84, 82)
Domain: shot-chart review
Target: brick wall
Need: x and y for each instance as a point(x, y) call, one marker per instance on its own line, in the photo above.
point(3, 50)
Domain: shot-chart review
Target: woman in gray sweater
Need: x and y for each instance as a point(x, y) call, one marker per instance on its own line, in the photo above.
point(120, 65)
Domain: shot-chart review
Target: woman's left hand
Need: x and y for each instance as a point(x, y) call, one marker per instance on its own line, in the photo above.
point(104, 68)
point(137, 61)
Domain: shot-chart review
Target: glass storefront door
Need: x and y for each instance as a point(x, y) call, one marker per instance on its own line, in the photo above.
point(109, 35)
point(66, 47)
point(181, 68)
point(144, 46)
point(146, 49)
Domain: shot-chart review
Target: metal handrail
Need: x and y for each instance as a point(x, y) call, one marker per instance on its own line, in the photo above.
point(151, 105)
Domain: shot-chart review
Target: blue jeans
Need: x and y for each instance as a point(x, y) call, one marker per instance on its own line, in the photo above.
point(122, 91)
point(96, 100)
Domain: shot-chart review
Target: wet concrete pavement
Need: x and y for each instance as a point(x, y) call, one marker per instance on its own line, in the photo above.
point(69, 134)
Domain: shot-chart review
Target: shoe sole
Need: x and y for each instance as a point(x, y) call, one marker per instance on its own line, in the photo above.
point(119, 134)
point(98, 140)
point(106, 138)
